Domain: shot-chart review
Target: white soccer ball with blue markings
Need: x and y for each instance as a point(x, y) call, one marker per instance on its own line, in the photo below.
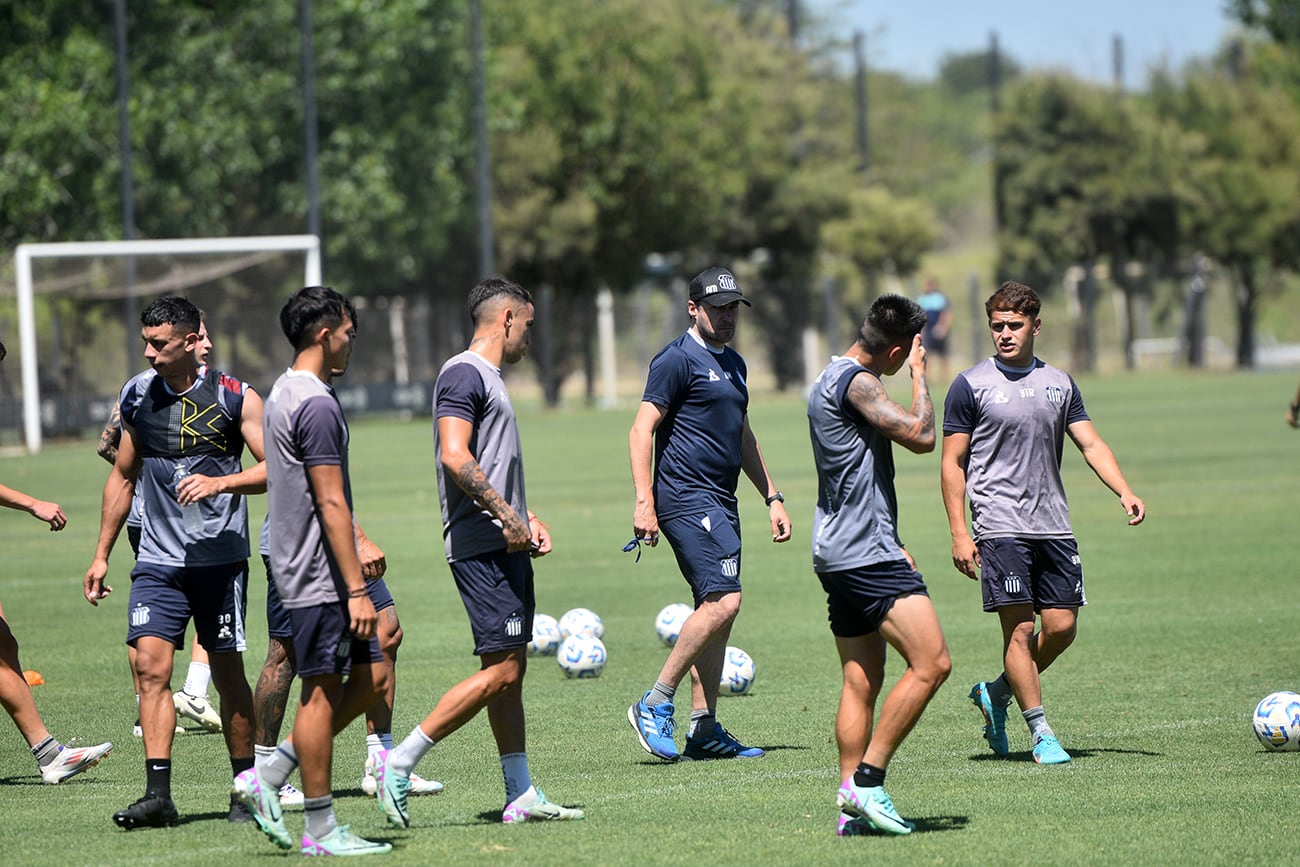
point(668, 625)
point(581, 621)
point(581, 656)
point(737, 672)
point(1277, 722)
point(546, 636)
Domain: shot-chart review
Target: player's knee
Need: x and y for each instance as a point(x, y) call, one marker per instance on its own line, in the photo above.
point(390, 639)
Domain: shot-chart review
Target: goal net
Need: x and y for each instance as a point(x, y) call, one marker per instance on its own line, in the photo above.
point(77, 323)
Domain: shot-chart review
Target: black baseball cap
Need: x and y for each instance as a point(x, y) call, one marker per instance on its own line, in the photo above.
point(717, 287)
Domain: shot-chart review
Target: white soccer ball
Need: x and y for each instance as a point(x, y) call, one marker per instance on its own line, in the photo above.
point(581, 621)
point(1277, 722)
point(668, 625)
point(737, 672)
point(546, 636)
point(581, 656)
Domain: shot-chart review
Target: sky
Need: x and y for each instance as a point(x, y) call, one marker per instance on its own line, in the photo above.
point(912, 36)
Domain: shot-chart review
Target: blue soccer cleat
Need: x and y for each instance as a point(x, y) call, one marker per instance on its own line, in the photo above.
point(654, 727)
point(995, 719)
point(718, 745)
point(1048, 751)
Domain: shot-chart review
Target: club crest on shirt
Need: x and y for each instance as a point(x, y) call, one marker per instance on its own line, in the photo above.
point(1001, 398)
point(713, 376)
point(1055, 394)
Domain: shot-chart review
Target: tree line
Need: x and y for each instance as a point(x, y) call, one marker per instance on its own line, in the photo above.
point(621, 129)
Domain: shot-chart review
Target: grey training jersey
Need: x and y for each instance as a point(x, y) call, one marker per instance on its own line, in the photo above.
point(469, 388)
point(304, 427)
point(1016, 420)
point(857, 509)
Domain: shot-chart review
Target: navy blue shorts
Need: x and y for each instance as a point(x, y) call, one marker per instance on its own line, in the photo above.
point(497, 590)
point(322, 643)
point(707, 545)
point(858, 600)
point(278, 624)
point(164, 598)
point(1044, 572)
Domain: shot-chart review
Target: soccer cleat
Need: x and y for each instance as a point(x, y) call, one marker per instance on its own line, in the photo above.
point(532, 806)
point(151, 811)
point(264, 803)
point(419, 785)
point(72, 761)
point(197, 708)
point(239, 812)
point(719, 745)
point(995, 719)
point(850, 825)
point(1048, 751)
point(391, 789)
point(654, 727)
point(341, 841)
point(290, 797)
point(874, 805)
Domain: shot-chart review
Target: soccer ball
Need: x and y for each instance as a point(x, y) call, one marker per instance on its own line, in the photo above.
point(581, 656)
point(1277, 722)
point(737, 672)
point(581, 621)
point(546, 636)
point(668, 624)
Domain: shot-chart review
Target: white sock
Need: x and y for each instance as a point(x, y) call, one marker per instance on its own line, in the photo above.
point(378, 741)
point(262, 752)
point(514, 767)
point(406, 755)
point(197, 679)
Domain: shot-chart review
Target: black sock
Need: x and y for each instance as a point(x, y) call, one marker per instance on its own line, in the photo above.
point(238, 766)
point(158, 778)
point(868, 776)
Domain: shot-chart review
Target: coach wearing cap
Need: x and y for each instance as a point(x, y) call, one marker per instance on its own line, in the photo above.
point(693, 419)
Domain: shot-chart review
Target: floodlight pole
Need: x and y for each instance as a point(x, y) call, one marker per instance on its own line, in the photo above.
point(309, 117)
point(482, 153)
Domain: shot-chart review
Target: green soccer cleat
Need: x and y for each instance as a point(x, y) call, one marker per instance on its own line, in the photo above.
point(341, 841)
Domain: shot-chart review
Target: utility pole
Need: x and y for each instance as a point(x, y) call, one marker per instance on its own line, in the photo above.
point(1117, 61)
point(482, 154)
point(309, 119)
point(860, 98)
point(130, 312)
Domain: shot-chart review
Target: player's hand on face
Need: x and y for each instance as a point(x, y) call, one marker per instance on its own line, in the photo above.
point(966, 557)
point(518, 536)
point(196, 487)
point(916, 358)
point(93, 586)
point(50, 513)
point(364, 617)
point(373, 563)
point(781, 528)
point(645, 524)
point(1135, 509)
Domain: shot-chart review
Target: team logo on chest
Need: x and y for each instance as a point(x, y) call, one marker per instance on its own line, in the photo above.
point(201, 425)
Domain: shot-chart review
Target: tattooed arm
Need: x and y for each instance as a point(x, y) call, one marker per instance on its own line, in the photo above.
point(913, 429)
point(111, 435)
point(463, 468)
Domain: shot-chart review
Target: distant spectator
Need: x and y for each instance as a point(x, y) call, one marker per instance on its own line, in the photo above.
point(938, 321)
point(1293, 413)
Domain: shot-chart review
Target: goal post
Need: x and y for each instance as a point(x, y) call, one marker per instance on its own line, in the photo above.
point(27, 253)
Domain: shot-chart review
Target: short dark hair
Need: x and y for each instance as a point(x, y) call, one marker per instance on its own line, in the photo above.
point(1014, 297)
point(891, 319)
point(494, 287)
point(172, 310)
point(312, 308)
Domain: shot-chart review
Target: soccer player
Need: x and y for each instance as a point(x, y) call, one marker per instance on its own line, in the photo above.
point(57, 762)
point(317, 573)
point(271, 694)
point(489, 536)
point(183, 433)
point(192, 700)
point(694, 420)
point(874, 594)
point(1004, 425)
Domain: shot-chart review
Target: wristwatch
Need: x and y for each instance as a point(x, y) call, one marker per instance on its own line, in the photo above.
point(778, 497)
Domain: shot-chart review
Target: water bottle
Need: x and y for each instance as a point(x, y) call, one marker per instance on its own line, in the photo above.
point(191, 515)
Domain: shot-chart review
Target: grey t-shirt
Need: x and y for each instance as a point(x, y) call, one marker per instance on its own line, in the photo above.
point(1016, 420)
point(855, 523)
point(469, 388)
point(304, 427)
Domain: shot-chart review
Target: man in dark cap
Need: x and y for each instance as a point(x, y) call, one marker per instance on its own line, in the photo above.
point(694, 420)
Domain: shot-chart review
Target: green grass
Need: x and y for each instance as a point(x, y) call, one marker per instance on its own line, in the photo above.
point(1193, 618)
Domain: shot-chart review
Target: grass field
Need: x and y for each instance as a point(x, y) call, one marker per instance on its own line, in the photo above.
point(1193, 618)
